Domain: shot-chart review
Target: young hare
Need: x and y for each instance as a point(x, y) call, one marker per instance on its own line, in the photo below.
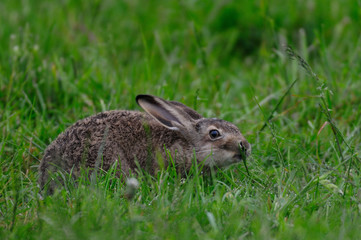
point(169, 131)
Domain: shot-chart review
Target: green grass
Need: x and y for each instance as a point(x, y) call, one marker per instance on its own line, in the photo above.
point(64, 60)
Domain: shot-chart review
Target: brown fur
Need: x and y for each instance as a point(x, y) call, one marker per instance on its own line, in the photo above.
point(132, 137)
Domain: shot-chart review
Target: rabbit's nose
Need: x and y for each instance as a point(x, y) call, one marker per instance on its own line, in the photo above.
point(245, 147)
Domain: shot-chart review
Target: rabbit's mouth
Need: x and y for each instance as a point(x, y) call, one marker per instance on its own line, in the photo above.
point(239, 157)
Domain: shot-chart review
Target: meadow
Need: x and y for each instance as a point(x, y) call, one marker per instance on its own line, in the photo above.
point(287, 73)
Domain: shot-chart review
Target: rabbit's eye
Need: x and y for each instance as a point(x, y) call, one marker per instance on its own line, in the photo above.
point(214, 134)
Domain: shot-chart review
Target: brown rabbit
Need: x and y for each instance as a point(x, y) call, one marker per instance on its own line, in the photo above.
point(169, 130)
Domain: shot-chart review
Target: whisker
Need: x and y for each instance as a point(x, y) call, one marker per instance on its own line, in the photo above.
point(206, 150)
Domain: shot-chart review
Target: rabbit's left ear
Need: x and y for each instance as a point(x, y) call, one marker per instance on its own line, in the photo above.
point(166, 113)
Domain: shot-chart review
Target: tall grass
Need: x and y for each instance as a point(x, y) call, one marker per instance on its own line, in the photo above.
point(63, 61)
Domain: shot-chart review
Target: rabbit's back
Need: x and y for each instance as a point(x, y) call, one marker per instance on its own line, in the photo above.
point(102, 139)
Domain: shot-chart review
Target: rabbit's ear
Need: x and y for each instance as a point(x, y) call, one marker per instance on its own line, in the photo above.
point(167, 113)
point(186, 110)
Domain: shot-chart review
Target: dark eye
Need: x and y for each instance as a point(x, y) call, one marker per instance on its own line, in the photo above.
point(214, 134)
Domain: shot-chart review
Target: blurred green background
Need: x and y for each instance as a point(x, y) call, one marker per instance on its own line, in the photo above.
point(61, 61)
point(127, 47)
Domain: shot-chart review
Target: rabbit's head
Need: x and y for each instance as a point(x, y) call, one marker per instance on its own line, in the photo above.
point(216, 142)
